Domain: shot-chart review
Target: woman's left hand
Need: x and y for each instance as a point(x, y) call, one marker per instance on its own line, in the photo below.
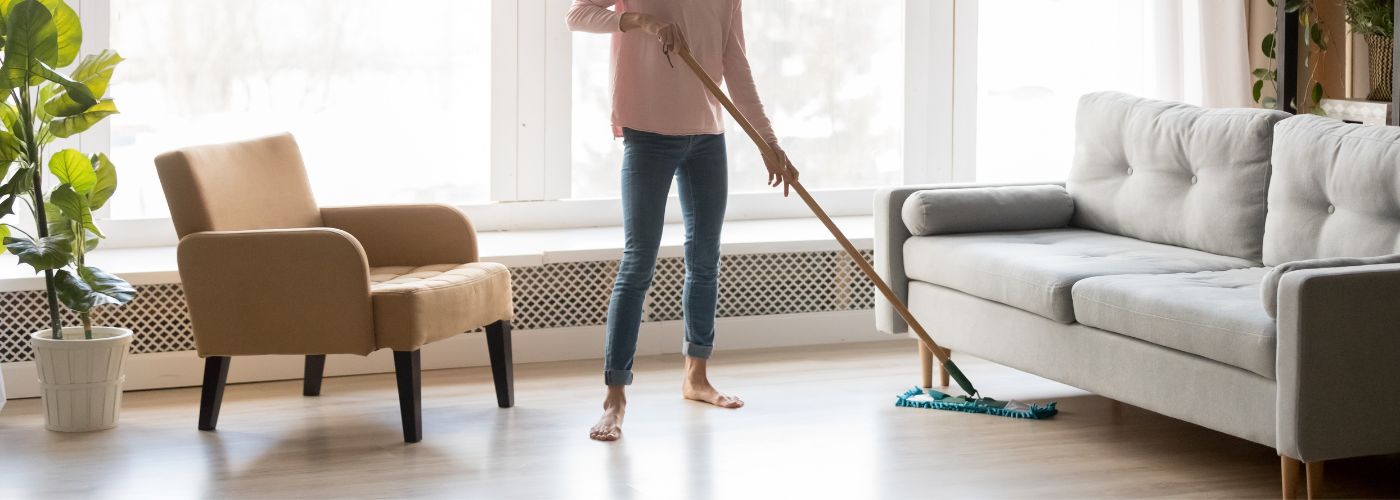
point(779, 169)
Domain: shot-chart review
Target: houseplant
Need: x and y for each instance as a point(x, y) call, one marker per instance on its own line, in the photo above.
point(1314, 50)
point(1375, 20)
point(81, 368)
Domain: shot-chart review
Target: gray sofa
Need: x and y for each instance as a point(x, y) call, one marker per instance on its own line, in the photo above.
point(1232, 268)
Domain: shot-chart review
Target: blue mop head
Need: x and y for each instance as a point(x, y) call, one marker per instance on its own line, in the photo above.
point(929, 398)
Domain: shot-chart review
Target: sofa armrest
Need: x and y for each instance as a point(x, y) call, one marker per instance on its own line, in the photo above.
point(1268, 288)
point(986, 209)
point(1339, 362)
point(407, 235)
point(890, 234)
point(279, 291)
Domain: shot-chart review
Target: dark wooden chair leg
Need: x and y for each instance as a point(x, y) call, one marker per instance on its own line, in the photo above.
point(407, 370)
point(502, 368)
point(211, 397)
point(315, 366)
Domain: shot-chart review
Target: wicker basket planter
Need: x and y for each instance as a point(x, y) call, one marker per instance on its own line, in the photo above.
point(1381, 49)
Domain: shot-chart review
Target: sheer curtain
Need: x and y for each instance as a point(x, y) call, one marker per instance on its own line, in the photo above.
point(1199, 51)
point(1031, 72)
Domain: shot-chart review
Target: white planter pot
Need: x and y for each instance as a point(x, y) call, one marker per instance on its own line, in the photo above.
point(81, 380)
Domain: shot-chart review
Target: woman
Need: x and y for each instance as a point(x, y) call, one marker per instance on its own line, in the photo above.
point(671, 128)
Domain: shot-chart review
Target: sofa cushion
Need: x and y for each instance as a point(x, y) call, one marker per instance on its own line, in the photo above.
point(1212, 314)
point(1335, 191)
point(1173, 173)
point(1034, 270)
point(985, 209)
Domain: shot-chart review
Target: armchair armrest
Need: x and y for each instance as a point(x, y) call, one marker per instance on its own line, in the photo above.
point(890, 234)
point(407, 235)
point(277, 291)
point(1339, 362)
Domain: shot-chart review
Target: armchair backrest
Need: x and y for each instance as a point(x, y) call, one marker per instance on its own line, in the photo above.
point(254, 184)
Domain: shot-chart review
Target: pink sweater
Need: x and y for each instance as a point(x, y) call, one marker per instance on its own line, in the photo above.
point(650, 95)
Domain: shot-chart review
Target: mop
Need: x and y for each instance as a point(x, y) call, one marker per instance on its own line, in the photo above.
point(971, 402)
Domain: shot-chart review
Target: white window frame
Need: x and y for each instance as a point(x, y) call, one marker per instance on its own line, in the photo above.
point(531, 74)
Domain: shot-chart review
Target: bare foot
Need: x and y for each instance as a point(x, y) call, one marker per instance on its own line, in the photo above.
point(609, 426)
point(696, 386)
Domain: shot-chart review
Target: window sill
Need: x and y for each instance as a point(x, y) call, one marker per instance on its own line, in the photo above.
point(157, 265)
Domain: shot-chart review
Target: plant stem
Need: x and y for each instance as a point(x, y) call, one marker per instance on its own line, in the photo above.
point(35, 155)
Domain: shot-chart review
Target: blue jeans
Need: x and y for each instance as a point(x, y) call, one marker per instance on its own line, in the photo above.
point(649, 161)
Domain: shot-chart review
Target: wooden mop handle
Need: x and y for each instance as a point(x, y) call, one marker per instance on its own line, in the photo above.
point(768, 152)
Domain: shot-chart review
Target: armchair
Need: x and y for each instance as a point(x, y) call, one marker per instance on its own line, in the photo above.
point(266, 271)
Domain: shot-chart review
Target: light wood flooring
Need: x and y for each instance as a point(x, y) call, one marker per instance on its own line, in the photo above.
point(820, 423)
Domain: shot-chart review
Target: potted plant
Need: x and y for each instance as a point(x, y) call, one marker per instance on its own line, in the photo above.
point(81, 368)
point(1375, 20)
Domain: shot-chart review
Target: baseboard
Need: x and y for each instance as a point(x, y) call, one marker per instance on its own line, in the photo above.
point(184, 369)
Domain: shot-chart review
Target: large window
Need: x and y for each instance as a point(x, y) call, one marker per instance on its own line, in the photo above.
point(390, 102)
point(831, 76)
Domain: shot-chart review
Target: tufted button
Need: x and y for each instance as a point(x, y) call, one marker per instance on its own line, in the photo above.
point(1130, 170)
point(1193, 179)
point(1331, 209)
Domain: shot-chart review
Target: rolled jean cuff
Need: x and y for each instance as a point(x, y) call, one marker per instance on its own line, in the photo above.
point(697, 351)
point(617, 377)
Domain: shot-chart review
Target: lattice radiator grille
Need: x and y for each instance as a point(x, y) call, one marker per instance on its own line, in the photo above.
point(571, 294)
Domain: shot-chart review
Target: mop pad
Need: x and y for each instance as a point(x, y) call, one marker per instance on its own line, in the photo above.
point(929, 398)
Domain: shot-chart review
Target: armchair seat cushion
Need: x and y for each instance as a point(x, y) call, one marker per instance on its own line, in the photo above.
point(417, 305)
point(1216, 314)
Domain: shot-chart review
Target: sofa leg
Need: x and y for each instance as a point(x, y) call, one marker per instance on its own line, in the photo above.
point(926, 363)
point(502, 368)
point(407, 372)
point(1289, 472)
point(1314, 473)
point(311, 381)
point(211, 396)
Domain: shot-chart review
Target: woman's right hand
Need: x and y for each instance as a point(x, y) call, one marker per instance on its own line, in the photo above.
point(669, 35)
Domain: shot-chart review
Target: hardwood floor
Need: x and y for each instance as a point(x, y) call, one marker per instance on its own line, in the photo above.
point(820, 423)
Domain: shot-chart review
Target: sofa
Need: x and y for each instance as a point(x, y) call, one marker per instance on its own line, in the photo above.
point(1233, 268)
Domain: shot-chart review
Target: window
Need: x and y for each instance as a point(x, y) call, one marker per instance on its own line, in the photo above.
point(831, 75)
point(1029, 91)
point(390, 103)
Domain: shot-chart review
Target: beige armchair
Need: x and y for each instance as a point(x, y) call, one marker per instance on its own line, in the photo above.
point(266, 271)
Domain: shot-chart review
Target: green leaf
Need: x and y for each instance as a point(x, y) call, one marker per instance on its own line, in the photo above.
point(1317, 93)
point(106, 185)
point(9, 116)
point(68, 29)
point(4, 234)
point(73, 125)
point(75, 207)
point(94, 72)
point(10, 149)
point(73, 168)
point(49, 252)
point(1269, 102)
point(1261, 73)
point(1258, 89)
point(90, 288)
point(1315, 34)
point(1268, 45)
point(30, 35)
point(60, 225)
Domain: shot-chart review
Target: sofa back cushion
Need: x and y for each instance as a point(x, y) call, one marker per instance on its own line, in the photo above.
point(1335, 191)
point(1173, 173)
